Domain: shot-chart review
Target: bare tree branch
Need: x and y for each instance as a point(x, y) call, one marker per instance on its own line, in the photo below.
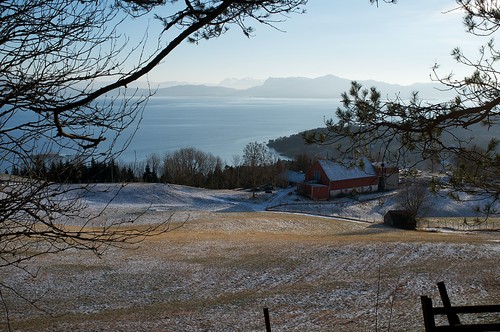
point(65, 67)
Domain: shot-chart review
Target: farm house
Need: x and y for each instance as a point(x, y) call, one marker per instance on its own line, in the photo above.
point(327, 178)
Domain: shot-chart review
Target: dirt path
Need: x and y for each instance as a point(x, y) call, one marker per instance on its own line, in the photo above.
point(219, 270)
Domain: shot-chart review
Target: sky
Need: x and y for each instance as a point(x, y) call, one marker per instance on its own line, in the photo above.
point(351, 39)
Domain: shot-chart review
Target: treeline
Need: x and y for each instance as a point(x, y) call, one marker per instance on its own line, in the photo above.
point(53, 169)
point(186, 166)
point(192, 167)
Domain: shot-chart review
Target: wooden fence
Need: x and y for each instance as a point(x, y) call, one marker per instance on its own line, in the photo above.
point(451, 312)
point(460, 224)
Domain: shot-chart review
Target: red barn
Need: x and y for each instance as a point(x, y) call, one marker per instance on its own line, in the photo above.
point(327, 178)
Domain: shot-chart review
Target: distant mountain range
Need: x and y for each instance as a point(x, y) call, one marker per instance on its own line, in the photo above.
point(329, 86)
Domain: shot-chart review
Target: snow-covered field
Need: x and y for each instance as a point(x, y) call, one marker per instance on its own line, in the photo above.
point(235, 254)
point(164, 197)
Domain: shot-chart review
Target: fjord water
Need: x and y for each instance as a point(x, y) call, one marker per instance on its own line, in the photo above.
point(222, 126)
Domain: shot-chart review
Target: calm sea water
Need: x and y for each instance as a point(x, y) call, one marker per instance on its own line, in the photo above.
point(222, 126)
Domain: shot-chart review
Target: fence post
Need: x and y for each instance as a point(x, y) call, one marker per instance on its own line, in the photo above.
point(429, 322)
point(452, 316)
point(268, 322)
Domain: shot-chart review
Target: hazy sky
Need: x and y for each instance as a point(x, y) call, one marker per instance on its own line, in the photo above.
point(351, 38)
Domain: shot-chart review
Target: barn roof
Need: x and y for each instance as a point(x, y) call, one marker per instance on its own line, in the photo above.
point(355, 169)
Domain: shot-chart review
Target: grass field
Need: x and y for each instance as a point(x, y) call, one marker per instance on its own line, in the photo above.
point(219, 270)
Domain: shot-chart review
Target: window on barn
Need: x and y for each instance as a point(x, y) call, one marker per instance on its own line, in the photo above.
point(316, 175)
